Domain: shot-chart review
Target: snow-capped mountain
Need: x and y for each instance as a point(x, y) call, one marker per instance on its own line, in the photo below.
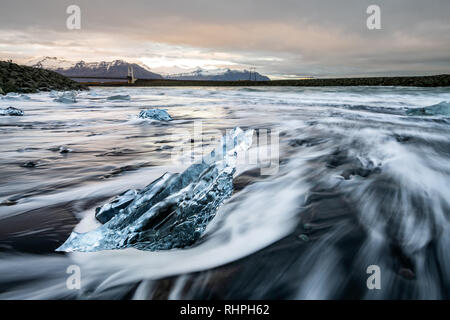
point(219, 75)
point(50, 63)
point(116, 68)
point(119, 69)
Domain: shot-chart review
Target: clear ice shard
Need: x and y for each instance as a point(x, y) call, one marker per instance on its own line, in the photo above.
point(66, 97)
point(155, 114)
point(172, 211)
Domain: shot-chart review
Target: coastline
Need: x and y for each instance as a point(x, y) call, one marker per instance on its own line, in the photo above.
point(16, 78)
point(413, 81)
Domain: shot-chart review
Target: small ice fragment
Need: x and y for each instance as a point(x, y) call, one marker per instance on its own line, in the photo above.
point(119, 97)
point(11, 111)
point(155, 114)
point(15, 97)
point(67, 97)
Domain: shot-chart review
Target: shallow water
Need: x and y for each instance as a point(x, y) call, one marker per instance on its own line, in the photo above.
point(360, 182)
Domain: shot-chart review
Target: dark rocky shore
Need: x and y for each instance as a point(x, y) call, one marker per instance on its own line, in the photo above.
point(23, 79)
point(415, 81)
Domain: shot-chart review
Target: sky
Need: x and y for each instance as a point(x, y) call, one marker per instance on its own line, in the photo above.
point(279, 38)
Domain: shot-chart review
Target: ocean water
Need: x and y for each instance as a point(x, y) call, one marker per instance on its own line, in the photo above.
point(355, 176)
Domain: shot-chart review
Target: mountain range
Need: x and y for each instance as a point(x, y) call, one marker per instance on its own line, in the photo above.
point(116, 68)
point(219, 75)
point(119, 69)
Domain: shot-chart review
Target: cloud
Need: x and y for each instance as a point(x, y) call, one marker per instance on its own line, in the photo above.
point(321, 37)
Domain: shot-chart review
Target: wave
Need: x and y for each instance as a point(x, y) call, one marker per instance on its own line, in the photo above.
point(440, 109)
point(358, 184)
point(15, 97)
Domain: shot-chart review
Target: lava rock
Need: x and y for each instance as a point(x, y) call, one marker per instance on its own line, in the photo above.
point(23, 79)
point(407, 273)
point(30, 164)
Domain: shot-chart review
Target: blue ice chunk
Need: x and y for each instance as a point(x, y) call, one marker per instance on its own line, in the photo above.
point(172, 211)
point(155, 114)
point(11, 111)
point(67, 97)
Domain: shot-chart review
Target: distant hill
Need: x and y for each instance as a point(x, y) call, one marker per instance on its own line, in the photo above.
point(116, 68)
point(219, 75)
point(24, 79)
